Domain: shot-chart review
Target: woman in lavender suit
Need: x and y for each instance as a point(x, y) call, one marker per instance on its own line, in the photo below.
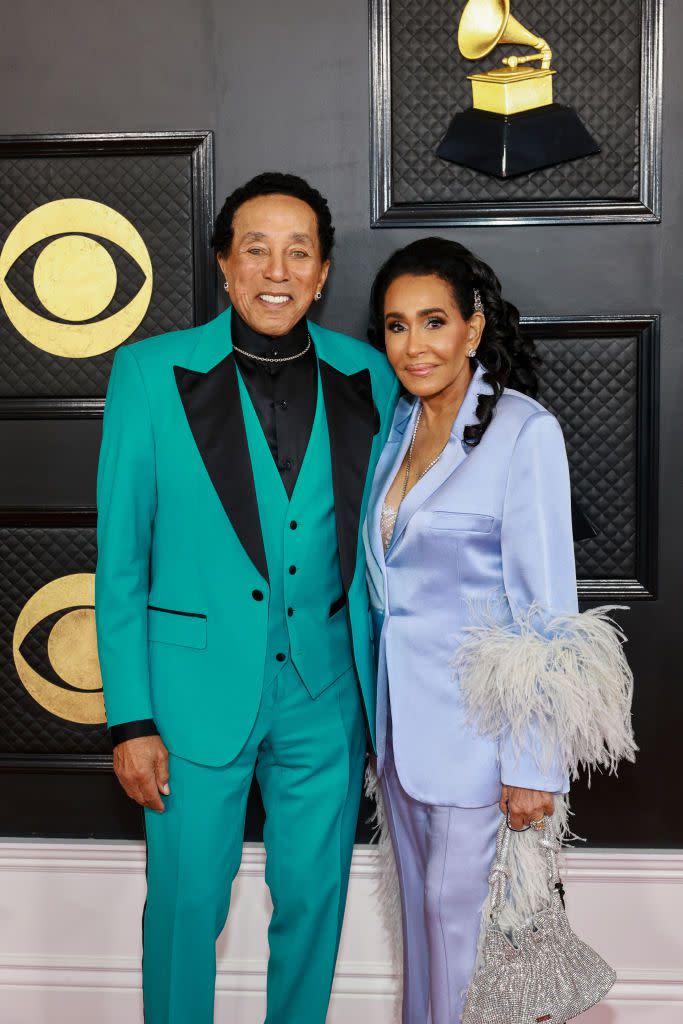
point(472, 587)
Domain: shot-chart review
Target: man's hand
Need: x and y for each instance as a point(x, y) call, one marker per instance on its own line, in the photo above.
point(141, 766)
point(526, 805)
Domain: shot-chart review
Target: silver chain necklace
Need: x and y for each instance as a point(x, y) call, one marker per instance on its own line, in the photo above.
point(270, 359)
point(409, 461)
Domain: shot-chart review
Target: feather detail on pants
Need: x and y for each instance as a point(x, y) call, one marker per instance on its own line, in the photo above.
point(388, 891)
point(565, 677)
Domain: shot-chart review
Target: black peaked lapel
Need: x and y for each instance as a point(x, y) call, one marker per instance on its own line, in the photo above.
point(214, 411)
point(353, 420)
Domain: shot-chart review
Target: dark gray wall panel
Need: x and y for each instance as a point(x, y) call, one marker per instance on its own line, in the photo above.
point(287, 87)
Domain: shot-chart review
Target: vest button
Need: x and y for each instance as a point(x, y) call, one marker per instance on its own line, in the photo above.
point(281, 657)
point(257, 595)
point(290, 612)
point(292, 570)
point(293, 525)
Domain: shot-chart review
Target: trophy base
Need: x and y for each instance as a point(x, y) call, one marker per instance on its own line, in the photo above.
point(506, 145)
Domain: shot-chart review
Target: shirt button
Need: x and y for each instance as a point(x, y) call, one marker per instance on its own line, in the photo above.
point(290, 612)
point(287, 464)
point(257, 595)
point(281, 657)
point(292, 570)
point(283, 405)
point(293, 525)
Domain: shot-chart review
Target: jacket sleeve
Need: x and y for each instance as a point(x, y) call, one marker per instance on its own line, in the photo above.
point(538, 571)
point(126, 504)
point(549, 683)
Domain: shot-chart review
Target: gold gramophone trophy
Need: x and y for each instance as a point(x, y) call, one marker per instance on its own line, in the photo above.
point(513, 126)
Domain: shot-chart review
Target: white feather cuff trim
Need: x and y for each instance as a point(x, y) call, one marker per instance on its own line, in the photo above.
point(565, 678)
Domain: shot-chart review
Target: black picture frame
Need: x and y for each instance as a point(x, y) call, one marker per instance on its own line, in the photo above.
point(198, 146)
point(646, 328)
point(644, 209)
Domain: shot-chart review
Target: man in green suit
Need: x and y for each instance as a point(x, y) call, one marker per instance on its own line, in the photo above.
point(232, 616)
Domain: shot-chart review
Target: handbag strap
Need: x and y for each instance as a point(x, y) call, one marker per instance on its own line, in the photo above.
point(500, 872)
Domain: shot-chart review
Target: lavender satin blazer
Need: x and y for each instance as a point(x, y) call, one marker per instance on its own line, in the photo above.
point(489, 521)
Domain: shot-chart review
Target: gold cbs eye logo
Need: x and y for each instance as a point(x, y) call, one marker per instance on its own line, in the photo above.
point(75, 277)
point(71, 650)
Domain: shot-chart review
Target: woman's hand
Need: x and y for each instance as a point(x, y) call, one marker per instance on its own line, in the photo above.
point(525, 805)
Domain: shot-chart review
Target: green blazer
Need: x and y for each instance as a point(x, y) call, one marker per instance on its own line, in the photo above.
point(181, 588)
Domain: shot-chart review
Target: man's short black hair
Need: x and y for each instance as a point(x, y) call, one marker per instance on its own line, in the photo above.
point(267, 184)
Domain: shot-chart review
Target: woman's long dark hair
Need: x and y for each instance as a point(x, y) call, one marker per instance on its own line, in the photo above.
point(509, 359)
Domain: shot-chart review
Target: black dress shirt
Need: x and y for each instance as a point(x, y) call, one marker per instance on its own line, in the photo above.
point(284, 394)
point(284, 397)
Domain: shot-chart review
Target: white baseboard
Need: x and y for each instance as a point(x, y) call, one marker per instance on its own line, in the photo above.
point(70, 936)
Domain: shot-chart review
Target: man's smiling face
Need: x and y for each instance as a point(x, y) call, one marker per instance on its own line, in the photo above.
point(274, 267)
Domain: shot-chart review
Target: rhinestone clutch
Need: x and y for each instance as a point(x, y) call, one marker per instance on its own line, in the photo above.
point(542, 973)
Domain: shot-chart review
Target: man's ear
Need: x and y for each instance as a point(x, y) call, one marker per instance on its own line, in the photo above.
point(323, 274)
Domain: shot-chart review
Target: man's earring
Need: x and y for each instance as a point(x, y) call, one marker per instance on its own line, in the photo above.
point(226, 286)
point(318, 296)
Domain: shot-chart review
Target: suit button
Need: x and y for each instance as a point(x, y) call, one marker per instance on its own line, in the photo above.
point(290, 612)
point(281, 657)
point(292, 570)
point(257, 595)
point(293, 525)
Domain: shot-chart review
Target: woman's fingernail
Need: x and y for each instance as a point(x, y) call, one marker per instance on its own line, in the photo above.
point(166, 789)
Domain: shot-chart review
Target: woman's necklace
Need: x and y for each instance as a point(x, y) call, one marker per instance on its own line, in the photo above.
point(409, 460)
point(389, 514)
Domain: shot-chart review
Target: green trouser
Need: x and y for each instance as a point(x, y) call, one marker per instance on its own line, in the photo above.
point(308, 756)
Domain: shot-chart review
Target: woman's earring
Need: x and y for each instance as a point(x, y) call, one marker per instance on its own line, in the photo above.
point(478, 304)
point(226, 286)
point(318, 296)
point(472, 353)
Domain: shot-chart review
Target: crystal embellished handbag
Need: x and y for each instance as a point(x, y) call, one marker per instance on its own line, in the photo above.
point(543, 973)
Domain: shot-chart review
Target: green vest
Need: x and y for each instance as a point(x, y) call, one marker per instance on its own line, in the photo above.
point(307, 615)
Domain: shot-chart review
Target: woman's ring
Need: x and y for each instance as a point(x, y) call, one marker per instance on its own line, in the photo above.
point(539, 825)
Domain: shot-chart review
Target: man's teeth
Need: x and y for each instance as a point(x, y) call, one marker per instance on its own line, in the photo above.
point(275, 300)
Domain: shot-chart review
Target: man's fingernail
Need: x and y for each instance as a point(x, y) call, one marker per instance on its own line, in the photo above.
point(166, 789)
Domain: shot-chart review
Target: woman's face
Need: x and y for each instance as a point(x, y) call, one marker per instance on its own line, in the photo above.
point(426, 338)
point(274, 267)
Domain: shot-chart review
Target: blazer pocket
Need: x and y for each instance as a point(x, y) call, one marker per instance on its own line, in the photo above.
point(168, 626)
point(465, 522)
point(337, 605)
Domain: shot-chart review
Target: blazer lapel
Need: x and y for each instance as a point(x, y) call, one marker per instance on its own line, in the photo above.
point(391, 458)
point(452, 456)
point(352, 422)
point(214, 412)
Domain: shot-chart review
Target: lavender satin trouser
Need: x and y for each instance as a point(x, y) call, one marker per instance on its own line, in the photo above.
point(443, 856)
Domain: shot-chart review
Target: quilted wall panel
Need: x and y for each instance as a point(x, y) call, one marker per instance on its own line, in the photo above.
point(591, 384)
point(31, 558)
point(596, 52)
point(152, 190)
